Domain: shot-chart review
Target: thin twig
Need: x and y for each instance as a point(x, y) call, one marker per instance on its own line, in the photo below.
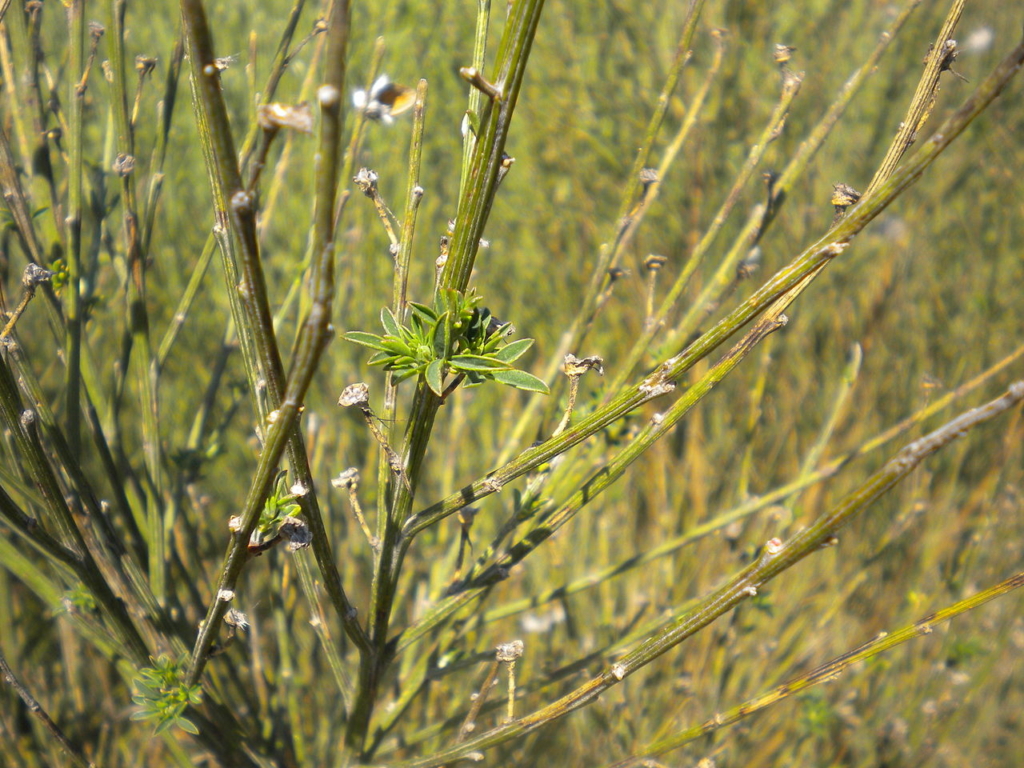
point(77, 757)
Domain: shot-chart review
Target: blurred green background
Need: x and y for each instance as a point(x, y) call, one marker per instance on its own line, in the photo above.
point(931, 292)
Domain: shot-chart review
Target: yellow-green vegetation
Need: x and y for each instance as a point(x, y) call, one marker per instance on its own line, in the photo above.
point(688, 431)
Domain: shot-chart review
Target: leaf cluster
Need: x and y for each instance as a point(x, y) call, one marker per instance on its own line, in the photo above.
point(279, 506)
point(455, 340)
point(162, 695)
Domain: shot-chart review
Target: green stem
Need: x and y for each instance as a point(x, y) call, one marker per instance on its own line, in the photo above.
point(23, 425)
point(473, 212)
point(256, 321)
point(807, 263)
point(826, 672)
point(609, 254)
point(72, 306)
point(775, 558)
point(483, 17)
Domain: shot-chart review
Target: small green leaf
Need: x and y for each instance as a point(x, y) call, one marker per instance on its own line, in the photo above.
point(496, 337)
point(478, 363)
point(435, 377)
point(390, 323)
point(397, 346)
point(449, 301)
point(371, 340)
point(427, 315)
point(472, 122)
point(521, 380)
point(402, 375)
point(512, 352)
point(406, 335)
point(442, 336)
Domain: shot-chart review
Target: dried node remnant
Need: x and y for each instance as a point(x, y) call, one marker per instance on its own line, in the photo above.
point(349, 479)
point(297, 532)
point(506, 165)
point(574, 367)
point(475, 77)
point(358, 395)
point(656, 385)
point(366, 181)
point(783, 53)
point(274, 116)
point(843, 196)
point(509, 653)
point(31, 278)
point(655, 262)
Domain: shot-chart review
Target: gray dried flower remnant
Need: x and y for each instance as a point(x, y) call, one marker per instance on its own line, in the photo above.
point(575, 366)
point(297, 532)
point(354, 394)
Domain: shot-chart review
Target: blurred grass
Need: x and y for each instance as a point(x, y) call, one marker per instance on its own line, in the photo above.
point(930, 291)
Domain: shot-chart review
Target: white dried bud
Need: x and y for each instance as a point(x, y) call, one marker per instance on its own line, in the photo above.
point(655, 386)
point(235, 618)
point(354, 394)
point(347, 479)
point(510, 651)
point(327, 95)
point(241, 201)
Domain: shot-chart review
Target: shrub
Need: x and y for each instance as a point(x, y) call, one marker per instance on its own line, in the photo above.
point(591, 460)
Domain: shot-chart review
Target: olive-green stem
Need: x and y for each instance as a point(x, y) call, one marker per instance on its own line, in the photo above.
point(611, 252)
point(756, 398)
point(483, 19)
point(413, 196)
point(310, 588)
point(790, 87)
point(763, 216)
point(473, 212)
point(31, 530)
point(137, 315)
point(256, 317)
point(113, 545)
point(19, 207)
point(481, 577)
point(73, 224)
point(826, 672)
point(166, 107)
point(722, 520)
point(495, 121)
point(808, 262)
point(775, 557)
point(8, 676)
point(281, 60)
point(317, 331)
point(24, 426)
point(923, 100)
